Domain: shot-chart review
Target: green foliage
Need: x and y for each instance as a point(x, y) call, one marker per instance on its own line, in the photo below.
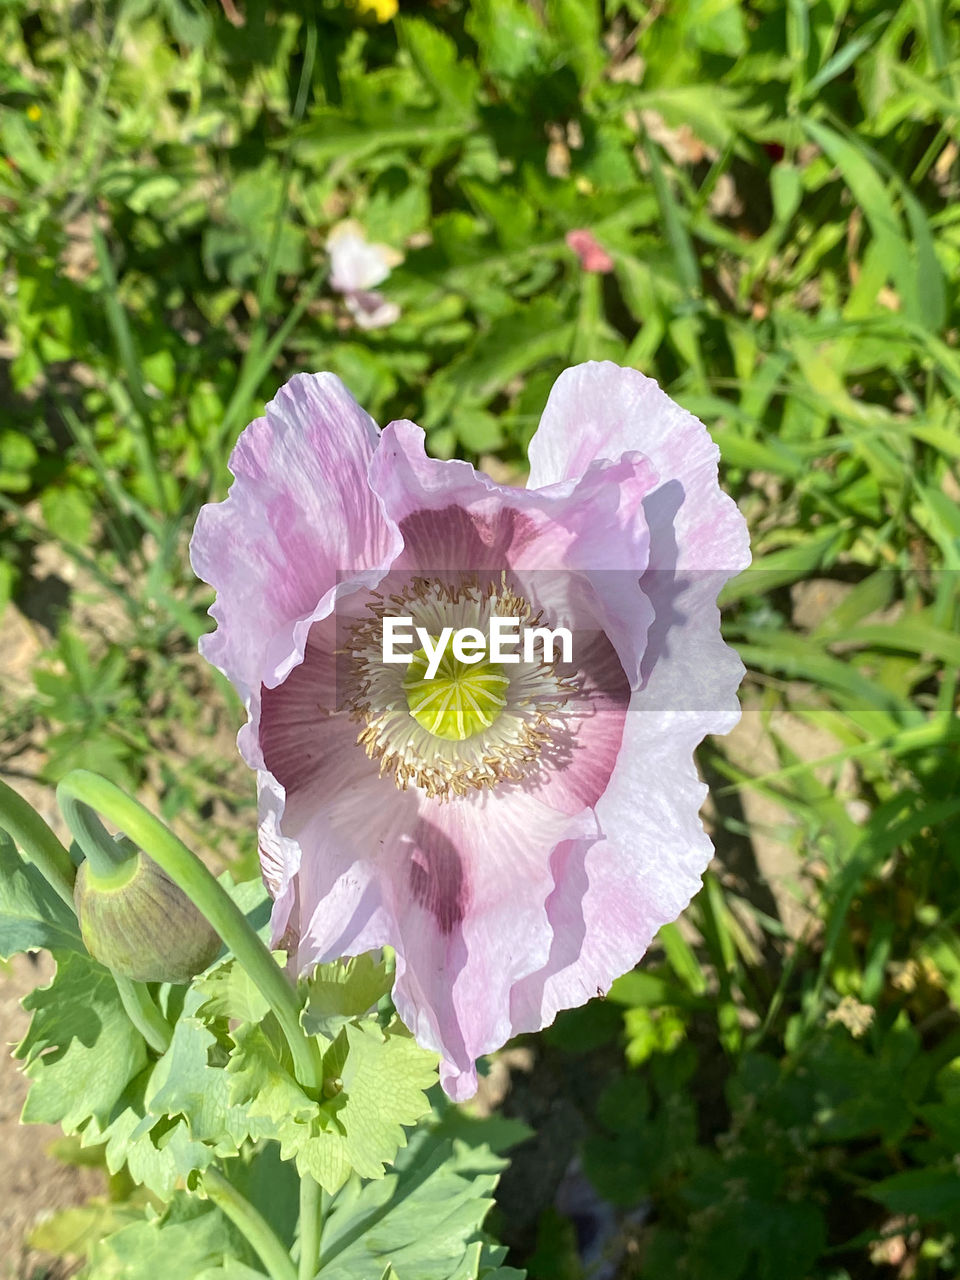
point(188, 1239)
point(89, 704)
point(430, 1210)
point(761, 1194)
point(31, 914)
point(777, 188)
point(81, 1050)
point(337, 992)
point(374, 1084)
point(222, 1096)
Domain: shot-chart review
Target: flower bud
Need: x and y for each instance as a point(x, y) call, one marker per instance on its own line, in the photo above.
point(137, 922)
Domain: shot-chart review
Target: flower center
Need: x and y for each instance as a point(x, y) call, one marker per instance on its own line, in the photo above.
point(471, 725)
point(462, 699)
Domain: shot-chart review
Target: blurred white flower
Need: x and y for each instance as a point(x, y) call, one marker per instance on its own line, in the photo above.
point(356, 266)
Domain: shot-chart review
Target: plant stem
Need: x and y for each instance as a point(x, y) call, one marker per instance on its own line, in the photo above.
point(104, 854)
point(144, 1014)
point(251, 1223)
point(187, 871)
point(311, 1206)
point(37, 842)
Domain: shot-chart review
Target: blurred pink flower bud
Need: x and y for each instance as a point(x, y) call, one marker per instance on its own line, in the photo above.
point(592, 256)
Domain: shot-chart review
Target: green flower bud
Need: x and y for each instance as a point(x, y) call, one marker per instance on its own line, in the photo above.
point(137, 922)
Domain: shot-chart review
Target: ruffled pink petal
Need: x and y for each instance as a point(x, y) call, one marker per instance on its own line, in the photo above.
point(611, 898)
point(600, 410)
point(299, 516)
point(325, 784)
point(468, 894)
point(279, 862)
point(453, 518)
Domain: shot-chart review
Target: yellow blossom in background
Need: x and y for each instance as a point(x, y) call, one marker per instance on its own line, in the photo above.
point(33, 112)
point(382, 10)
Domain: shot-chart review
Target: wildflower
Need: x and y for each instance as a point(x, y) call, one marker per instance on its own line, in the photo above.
point(853, 1014)
point(592, 256)
point(519, 834)
point(356, 266)
point(380, 10)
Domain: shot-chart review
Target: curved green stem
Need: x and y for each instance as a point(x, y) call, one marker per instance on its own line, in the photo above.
point(251, 1223)
point(104, 854)
point(311, 1204)
point(187, 871)
point(144, 1014)
point(37, 842)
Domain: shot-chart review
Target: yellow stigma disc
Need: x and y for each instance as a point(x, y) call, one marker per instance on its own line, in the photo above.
point(460, 700)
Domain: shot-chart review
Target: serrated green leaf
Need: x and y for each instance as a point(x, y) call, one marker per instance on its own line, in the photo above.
point(377, 1083)
point(424, 1218)
point(81, 1050)
point(228, 991)
point(157, 1153)
point(31, 914)
point(342, 991)
point(261, 1081)
point(385, 1076)
point(192, 1236)
point(184, 1083)
point(179, 1114)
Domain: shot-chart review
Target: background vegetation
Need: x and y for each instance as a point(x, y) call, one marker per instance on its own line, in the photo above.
point(774, 1094)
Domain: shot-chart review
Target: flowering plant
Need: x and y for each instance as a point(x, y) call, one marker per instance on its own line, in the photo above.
point(517, 837)
point(509, 832)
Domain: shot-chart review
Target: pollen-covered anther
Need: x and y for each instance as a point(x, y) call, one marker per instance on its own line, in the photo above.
point(469, 726)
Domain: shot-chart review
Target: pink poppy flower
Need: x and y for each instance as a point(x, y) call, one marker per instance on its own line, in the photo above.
point(518, 833)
